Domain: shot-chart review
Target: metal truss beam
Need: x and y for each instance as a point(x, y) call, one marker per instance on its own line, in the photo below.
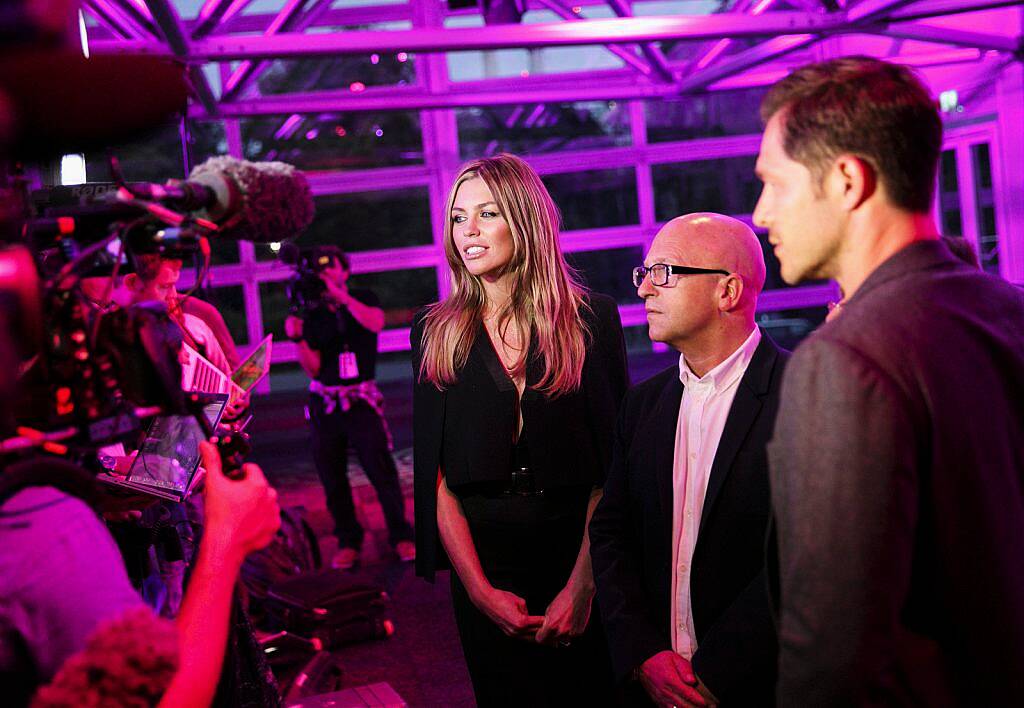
point(136, 15)
point(214, 13)
point(113, 15)
point(867, 10)
point(939, 8)
point(610, 31)
point(118, 25)
point(284, 21)
point(946, 35)
point(624, 53)
point(347, 16)
point(764, 52)
point(415, 98)
point(170, 24)
point(335, 17)
point(652, 51)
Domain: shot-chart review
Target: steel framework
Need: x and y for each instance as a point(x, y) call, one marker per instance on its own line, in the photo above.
point(706, 47)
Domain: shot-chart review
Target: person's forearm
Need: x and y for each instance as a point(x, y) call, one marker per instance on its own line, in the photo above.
point(309, 360)
point(582, 576)
point(203, 627)
point(458, 542)
point(372, 318)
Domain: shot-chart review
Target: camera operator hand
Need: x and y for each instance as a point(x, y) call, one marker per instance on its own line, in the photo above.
point(338, 292)
point(241, 515)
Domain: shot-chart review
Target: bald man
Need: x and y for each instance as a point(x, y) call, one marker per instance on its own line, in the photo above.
point(678, 539)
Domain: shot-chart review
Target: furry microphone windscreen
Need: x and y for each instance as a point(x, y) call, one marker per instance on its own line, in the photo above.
point(274, 201)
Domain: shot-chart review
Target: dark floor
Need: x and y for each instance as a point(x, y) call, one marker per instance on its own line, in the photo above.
point(423, 660)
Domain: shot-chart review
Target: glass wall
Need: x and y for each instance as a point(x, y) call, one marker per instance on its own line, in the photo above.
point(617, 169)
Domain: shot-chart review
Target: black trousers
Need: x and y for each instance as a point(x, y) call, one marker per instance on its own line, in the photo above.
point(362, 428)
point(528, 546)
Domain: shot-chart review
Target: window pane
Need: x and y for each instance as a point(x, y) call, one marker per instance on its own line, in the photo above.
point(949, 195)
point(726, 186)
point(707, 115)
point(401, 292)
point(334, 141)
point(361, 221)
point(230, 302)
point(594, 199)
point(789, 327)
point(351, 72)
point(274, 306)
point(608, 271)
point(206, 139)
point(155, 157)
point(637, 340)
point(988, 238)
point(535, 128)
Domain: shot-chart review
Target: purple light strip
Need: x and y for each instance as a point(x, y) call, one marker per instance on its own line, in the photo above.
point(288, 128)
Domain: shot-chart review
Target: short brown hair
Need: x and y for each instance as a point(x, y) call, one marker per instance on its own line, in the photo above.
point(879, 111)
point(147, 265)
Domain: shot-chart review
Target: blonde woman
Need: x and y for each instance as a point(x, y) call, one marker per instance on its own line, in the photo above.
point(519, 373)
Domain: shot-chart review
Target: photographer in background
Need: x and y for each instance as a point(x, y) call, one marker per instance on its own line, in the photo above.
point(337, 348)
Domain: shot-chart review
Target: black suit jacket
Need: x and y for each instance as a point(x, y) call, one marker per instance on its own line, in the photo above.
point(898, 489)
point(468, 429)
point(631, 536)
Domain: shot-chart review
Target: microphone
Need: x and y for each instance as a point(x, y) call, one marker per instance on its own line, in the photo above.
point(249, 201)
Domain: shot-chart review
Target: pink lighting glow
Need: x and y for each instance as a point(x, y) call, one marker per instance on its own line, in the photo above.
point(289, 127)
point(340, 131)
point(402, 57)
point(357, 87)
point(375, 58)
point(312, 134)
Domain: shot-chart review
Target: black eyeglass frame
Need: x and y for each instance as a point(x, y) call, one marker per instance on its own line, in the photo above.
point(640, 272)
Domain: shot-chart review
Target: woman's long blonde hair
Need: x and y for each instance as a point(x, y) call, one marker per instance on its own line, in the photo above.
point(545, 295)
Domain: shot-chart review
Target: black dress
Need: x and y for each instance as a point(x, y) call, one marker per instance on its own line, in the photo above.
point(527, 542)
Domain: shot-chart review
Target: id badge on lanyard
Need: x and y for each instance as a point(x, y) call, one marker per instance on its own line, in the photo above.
point(348, 367)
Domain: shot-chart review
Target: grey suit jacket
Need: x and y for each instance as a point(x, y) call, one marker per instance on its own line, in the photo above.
point(897, 479)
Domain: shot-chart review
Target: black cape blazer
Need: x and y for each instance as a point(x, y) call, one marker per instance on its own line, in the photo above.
point(631, 536)
point(468, 428)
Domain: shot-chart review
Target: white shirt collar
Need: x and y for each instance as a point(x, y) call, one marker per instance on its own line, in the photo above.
point(728, 371)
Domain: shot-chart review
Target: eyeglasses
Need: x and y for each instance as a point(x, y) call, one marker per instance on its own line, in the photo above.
point(659, 273)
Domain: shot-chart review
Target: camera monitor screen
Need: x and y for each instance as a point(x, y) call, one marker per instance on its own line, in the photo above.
point(169, 456)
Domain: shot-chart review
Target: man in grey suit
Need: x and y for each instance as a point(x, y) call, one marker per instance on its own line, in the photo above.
point(898, 453)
